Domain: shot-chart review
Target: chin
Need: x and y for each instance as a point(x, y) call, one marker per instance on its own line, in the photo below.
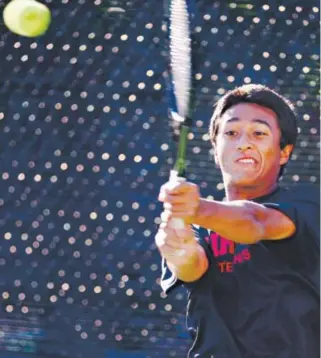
point(242, 180)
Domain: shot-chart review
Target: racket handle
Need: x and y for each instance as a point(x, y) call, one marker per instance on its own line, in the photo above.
point(176, 223)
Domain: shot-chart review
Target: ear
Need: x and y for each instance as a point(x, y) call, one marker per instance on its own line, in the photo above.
point(285, 154)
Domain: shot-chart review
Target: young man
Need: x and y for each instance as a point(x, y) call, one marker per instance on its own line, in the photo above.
point(253, 275)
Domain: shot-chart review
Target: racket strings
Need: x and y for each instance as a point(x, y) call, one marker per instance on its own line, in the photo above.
point(180, 57)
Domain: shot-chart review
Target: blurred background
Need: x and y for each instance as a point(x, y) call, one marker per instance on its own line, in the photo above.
point(85, 145)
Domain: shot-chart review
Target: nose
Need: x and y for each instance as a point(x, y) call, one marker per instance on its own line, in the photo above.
point(244, 143)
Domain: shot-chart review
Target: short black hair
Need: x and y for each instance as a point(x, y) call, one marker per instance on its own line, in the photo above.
point(265, 97)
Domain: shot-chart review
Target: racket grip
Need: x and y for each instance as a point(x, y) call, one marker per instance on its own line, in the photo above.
point(176, 223)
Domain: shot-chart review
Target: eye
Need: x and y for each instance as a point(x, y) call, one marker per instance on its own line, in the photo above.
point(231, 133)
point(259, 133)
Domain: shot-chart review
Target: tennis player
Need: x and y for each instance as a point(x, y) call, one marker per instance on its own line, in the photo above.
point(250, 262)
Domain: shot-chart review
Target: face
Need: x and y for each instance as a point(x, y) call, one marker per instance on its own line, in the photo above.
point(248, 146)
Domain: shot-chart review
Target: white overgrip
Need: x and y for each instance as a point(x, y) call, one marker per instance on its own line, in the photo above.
point(176, 223)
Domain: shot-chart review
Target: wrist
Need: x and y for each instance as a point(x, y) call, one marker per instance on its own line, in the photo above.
point(191, 266)
point(199, 210)
point(207, 213)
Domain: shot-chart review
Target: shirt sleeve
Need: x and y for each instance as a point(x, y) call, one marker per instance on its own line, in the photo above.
point(304, 210)
point(168, 280)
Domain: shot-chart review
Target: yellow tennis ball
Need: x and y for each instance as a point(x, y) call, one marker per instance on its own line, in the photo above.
point(27, 17)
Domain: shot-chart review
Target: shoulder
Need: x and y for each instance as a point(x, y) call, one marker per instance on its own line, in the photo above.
point(302, 205)
point(303, 193)
point(296, 212)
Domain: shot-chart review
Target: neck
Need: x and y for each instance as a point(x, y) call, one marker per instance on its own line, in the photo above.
point(233, 192)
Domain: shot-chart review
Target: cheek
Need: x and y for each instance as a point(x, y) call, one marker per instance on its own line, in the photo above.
point(271, 153)
point(223, 152)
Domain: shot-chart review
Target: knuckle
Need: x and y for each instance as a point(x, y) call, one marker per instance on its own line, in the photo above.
point(162, 227)
point(160, 240)
point(194, 186)
point(165, 216)
point(164, 189)
point(162, 186)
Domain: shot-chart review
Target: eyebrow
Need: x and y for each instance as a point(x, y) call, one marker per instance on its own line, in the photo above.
point(254, 120)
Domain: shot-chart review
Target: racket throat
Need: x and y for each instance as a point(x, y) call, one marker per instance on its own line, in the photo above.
point(180, 164)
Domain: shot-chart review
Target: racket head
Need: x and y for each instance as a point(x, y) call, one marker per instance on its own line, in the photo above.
point(180, 70)
point(180, 59)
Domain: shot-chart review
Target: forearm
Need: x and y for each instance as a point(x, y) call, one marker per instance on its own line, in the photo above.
point(191, 267)
point(236, 220)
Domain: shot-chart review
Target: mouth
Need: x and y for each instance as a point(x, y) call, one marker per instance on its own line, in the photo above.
point(246, 161)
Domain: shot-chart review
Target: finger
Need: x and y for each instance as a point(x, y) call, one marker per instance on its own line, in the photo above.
point(172, 245)
point(174, 188)
point(167, 206)
point(163, 196)
point(173, 253)
point(166, 216)
point(176, 199)
point(162, 239)
point(181, 235)
point(178, 188)
point(165, 228)
point(163, 192)
point(181, 208)
point(173, 233)
point(177, 213)
point(183, 192)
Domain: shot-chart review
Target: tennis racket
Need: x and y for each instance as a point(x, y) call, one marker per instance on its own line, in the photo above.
point(180, 84)
point(181, 99)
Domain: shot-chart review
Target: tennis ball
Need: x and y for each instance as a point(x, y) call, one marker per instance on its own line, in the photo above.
point(27, 17)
